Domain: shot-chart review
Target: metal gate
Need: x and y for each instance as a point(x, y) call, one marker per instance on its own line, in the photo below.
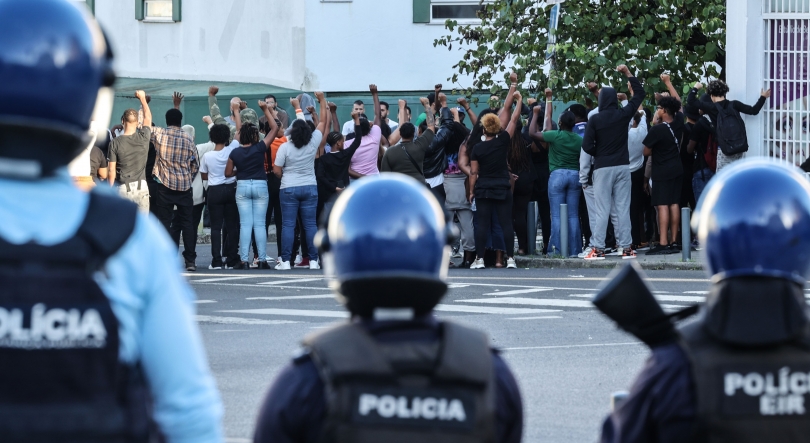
point(787, 57)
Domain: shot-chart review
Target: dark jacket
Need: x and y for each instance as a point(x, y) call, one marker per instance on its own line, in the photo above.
point(606, 133)
point(435, 158)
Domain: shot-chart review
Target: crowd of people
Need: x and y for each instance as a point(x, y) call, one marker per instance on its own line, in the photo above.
point(623, 170)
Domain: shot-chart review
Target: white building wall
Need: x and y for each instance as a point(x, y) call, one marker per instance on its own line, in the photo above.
point(254, 41)
point(352, 44)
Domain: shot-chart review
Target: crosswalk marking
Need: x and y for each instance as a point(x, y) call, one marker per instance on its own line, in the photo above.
point(542, 302)
point(289, 281)
point(491, 310)
point(209, 280)
point(292, 297)
point(520, 291)
point(536, 318)
point(292, 312)
point(239, 320)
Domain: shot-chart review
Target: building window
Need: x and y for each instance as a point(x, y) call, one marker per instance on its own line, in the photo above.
point(439, 11)
point(158, 10)
point(454, 11)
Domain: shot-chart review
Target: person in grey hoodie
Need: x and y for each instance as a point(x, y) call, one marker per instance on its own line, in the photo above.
point(606, 140)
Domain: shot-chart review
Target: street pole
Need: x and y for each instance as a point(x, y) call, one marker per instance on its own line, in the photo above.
point(686, 234)
point(532, 231)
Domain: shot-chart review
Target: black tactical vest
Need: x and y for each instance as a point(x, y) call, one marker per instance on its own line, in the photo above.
point(749, 394)
point(60, 376)
point(406, 392)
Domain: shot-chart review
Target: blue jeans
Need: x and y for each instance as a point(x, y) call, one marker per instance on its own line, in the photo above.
point(293, 200)
point(699, 181)
point(252, 199)
point(564, 187)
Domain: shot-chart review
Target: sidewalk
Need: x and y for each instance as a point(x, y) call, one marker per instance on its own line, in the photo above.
point(663, 262)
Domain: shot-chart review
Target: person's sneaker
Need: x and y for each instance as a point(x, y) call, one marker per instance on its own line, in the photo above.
point(628, 253)
point(313, 264)
point(456, 254)
point(614, 252)
point(191, 266)
point(283, 266)
point(303, 264)
point(245, 266)
point(608, 251)
point(595, 254)
point(643, 247)
point(510, 263)
point(255, 263)
point(659, 250)
point(478, 264)
point(585, 253)
point(214, 267)
point(264, 265)
point(269, 259)
point(298, 259)
point(675, 248)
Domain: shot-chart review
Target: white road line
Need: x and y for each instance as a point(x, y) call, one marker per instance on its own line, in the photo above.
point(281, 282)
point(292, 312)
point(535, 318)
point(209, 280)
point(204, 301)
point(256, 285)
point(491, 310)
point(292, 297)
point(582, 295)
point(681, 280)
point(695, 292)
point(457, 285)
point(239, 320)
point(520, 291)
point(595, 345)
point(681, 298)
point(543, 302)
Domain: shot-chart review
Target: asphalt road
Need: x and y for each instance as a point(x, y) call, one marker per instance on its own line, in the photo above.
point(567, 357)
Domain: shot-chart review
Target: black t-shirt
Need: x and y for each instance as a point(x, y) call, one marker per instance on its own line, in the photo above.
point(249, 161)
point(700, 135)
point(493, 171)
point(97, 161)
point(663, 140)
point(129, 153)
point(687, 159)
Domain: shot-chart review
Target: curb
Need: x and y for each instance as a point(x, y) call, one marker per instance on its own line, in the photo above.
point(551, 263)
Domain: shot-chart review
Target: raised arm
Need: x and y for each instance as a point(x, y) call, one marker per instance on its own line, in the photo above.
point(237, 118)
point(672, 91)
point(510, 128)
point(507, 104)
point(147, 113)
point(177, 99)
point(270, 114)
point(430, 118)
point(534, 133)
point(547, 125)
point(335, 121)
point(376, 98)
point(321, 125)
point(473, 118)
point(638, 91)
point(752, 110)
point(395, 136)
point(213, 107)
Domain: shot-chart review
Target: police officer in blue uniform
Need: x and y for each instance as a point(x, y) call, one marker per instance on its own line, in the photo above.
point(741, 372)
point(97, 335)
point(393, 373)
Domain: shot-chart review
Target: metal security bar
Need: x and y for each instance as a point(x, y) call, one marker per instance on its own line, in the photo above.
point(787, 59)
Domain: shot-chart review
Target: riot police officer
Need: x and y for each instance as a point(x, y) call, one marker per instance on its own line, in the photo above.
point(393, 373)
point(97, 335)
point(741, 372)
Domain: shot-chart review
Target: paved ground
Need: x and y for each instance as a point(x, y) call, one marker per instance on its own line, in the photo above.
point(566, 356)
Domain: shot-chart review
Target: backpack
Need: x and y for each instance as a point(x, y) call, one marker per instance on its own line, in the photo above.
point(731, 136)
point(710, 150)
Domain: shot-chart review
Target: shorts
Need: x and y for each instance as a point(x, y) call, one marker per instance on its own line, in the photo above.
point(667, 192)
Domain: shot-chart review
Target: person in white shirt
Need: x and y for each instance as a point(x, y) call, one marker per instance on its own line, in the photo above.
point(221, 199)
point(348, 127)
point(384, 116)
point(635, 137)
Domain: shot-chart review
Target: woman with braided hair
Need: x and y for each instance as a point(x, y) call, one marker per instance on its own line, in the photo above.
point(252, 197)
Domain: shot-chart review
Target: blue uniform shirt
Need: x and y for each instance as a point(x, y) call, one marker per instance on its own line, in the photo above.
point(295, 407)
point(662, 404)
point(151, 300)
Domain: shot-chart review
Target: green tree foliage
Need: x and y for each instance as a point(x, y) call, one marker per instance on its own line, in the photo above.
point(685, 38)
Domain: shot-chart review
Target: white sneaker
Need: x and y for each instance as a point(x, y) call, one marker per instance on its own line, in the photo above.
point(616, 252)
point(510, 263)
point(298, 259)
point(214, 267)
point(283, 266)
point(255, 263)
point(478, 264)
point(269, 259)
point(585, 253)
point(313, 264)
